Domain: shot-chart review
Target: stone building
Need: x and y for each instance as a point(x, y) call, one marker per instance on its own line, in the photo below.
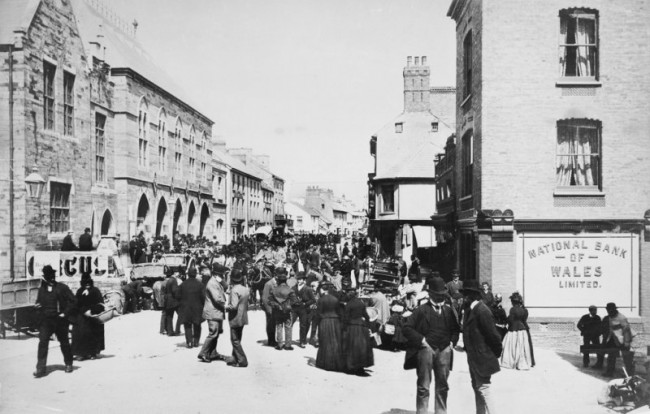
point(119, 147)
point(56, 119)
point(401, 187)
point(551, 152)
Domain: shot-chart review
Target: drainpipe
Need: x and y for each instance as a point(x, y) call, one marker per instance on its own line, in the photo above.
point(12, 238)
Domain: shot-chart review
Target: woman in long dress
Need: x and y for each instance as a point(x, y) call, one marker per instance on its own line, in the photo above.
point(329, 357)
point(87, 333)
point(357, 346)
point(517, 344)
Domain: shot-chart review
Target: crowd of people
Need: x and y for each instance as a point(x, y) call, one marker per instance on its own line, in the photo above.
point(323, 286)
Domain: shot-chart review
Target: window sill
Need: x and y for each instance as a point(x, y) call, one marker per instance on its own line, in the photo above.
point(467, 197)
point(386, 213)
point(578, 192)
point(578, 82)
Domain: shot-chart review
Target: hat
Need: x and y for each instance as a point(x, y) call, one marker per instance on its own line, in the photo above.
point(470, 286)
point(516, 297)
point(191, 272)
point(592, 307)
point(219, 269)
point(236, 276)
point(48, 271)
point(280, 271)
point(437, 286)
point(611, 306)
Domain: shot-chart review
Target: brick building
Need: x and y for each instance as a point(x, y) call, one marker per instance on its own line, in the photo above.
point(402, 187)
point(550, 158)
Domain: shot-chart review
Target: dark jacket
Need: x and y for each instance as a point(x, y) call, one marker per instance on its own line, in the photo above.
point(191, 295)
point(306, 297)
point(424, 322)
point(68, 244)
point(171, 294)
point(517, 318)
point(590, 326)
point(482, 340)
point(85, 242)
point(59, 300)
point(328, 306)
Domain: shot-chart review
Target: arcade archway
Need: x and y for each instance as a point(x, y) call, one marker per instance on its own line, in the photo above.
point(160, 216)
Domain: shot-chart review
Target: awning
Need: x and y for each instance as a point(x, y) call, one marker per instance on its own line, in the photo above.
point(425, 236)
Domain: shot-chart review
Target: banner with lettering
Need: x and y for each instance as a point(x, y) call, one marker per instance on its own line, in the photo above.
point(69, 265)
point(575, 271)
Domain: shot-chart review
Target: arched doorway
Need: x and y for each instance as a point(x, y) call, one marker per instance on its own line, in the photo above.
point(205, 215)
point(143, 211)
point(178, 210)
point(190, 217)
point(107, 223)
point(160, 216)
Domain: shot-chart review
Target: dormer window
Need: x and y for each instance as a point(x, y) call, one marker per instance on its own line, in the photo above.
point(399, 127)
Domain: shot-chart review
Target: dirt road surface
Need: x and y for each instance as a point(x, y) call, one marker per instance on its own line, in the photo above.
point(142, 371)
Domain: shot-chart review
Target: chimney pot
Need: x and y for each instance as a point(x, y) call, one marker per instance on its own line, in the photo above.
point(417, 61)
point(408, 60)
point(424, 60)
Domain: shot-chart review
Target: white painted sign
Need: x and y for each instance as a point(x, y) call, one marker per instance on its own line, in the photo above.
point(69, 265)
point(560, 273)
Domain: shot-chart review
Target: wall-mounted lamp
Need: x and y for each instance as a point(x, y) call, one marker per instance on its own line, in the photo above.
point(35, 184)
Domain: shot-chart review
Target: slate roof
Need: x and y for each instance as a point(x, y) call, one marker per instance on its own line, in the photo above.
point(234, 163)
point(124, 50)
point(411, 152)
point(15, 14)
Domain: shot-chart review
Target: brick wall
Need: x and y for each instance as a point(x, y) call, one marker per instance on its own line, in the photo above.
point(521, 104)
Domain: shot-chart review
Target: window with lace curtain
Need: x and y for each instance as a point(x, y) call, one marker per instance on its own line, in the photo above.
point(579, 44)
point(578, 155)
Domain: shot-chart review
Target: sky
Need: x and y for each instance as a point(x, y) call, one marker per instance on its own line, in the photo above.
point(307, 82)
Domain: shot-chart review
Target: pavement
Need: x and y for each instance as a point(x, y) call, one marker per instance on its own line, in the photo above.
point(142, 371)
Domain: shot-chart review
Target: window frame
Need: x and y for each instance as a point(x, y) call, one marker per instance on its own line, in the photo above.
point(578, 124)
point(162, 141)
point(100, 147)
point(467, 163)
point(468, 57)
point(576, 13)
point(388, 189)
point(59, 207)
point(68, 103)
point(49, 95)
point(143, 135)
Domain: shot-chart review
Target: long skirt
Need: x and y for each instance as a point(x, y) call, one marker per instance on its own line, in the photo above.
point(358, 349)
point(87, 337)
point(330, 356)
point(517, 351)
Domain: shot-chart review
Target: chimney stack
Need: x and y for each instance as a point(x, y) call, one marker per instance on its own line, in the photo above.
point(416, 85)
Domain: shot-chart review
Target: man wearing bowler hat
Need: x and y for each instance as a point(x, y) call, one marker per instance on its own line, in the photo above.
point(431, 331)
point(482, 344)
point(55, 302)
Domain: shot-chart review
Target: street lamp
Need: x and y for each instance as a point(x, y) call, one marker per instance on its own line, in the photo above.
point(35, 184)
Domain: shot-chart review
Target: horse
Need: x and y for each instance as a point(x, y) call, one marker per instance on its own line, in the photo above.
point(257, 276)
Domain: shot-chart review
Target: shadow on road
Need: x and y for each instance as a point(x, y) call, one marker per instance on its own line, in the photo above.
point(311, 361)
point(576, 361)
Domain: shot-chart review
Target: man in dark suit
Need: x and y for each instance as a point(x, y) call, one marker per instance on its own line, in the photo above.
point(238, 317)
point(304, 307)
point(86, 241)
point(67, 244)
point(482, 344)
point(590, 329)
point(431, 330)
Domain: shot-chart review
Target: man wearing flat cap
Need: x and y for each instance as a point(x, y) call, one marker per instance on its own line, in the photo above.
point(55, 302)
point(482, 345)
point(431, 330)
